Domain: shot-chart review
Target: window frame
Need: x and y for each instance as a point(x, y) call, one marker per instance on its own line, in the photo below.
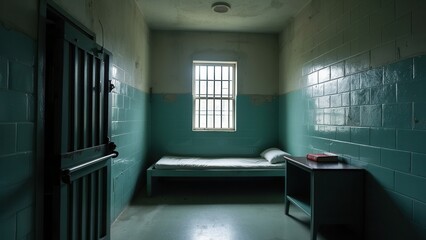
point(232, 98)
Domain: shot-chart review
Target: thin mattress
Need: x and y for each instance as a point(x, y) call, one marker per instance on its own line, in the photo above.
point(174, 162)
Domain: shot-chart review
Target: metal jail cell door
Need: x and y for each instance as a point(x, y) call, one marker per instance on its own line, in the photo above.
point(78, 149)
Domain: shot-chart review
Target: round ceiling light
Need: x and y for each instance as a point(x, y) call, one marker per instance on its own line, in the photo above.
point(221, 7)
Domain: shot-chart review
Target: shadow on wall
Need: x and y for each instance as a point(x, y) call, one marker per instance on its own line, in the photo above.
point(385, 217)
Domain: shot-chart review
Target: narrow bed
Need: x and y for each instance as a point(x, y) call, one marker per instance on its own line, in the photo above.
point(270, 164)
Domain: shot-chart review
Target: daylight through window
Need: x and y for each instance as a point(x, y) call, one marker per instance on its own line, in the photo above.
point(214, 88)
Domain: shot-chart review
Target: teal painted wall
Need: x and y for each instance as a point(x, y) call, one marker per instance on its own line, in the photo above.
point(17, 114)
point(257, 124)
point(376, 119)
point(130, 131)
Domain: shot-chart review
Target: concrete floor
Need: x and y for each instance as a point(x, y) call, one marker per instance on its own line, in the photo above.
point(199, 209)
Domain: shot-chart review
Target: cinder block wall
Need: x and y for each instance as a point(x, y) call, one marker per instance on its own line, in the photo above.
point(17, 146)
point(352, 82)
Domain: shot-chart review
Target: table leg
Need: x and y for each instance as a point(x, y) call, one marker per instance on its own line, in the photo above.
point(287, 206)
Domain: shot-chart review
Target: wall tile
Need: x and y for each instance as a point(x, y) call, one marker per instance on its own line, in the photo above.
point(398, 115)
point(383, 54)
point(312, 79)
point(399, 72)
point(354, 116)
point(318, 90)
point(360, 135)
point(344, 84)
point(330, 87)
point(21, 77)
point(360, 97)
point(371, 115)
point(420, 116)
point(337, 70)
point(324, 102)
point(383, 94)
point(409, 46)
point(338, 116)
point(409, 92)
point(343, 133)
point(25, 137)
point(397, 160)
point(418, 166)
point(358, 63)
point(355, 82)
point(420, 68)
point(383, 137)
point(23, 48)
point(419, 213)
point(411, 140)
point(4, 73)
point(24, 222)
point(327, 116)
point(411, 186)
point(15, 105)
point(371, 78)
point(382, 175)
point(15, 168)
point(324, 75)
point(336, 100)
point(346, 150)
point(321, 144)
point(346, 99)
point(369, 154)
point(7, 138)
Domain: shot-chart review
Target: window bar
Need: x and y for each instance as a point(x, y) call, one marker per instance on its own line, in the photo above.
point(198, 97)
point(214, 96)
point(207, 97)
point(221, 96)
point(229, 95)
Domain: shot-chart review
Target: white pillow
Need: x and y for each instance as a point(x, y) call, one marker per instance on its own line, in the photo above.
point(274, 155)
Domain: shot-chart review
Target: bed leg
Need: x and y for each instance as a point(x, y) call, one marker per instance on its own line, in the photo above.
point(148, 184)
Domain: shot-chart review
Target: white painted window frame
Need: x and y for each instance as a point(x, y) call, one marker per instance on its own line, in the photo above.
point(198, 97)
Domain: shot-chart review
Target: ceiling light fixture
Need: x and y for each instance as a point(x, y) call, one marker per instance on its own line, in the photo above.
point(221, 7)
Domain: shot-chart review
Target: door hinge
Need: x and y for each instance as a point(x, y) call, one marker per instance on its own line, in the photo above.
point(111, 86)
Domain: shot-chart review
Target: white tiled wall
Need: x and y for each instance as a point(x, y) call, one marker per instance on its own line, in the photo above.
point(329, 31)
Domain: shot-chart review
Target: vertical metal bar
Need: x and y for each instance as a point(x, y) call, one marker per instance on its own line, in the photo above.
point(96, 102)
point(89, 101)
point(102, 207)
point(102, 102)
point(81, 98)
point(85, 100)
point(75, 110)
point(66, 80)
point(70, 99)
point(83, 210)
point(93, 206)
point(74, 210)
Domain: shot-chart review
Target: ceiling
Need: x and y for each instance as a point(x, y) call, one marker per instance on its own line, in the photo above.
point(257, 16)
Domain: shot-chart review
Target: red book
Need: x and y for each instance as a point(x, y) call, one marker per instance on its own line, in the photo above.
point(321, 157)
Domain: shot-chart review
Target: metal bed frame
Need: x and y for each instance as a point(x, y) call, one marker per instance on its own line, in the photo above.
point(153, 174)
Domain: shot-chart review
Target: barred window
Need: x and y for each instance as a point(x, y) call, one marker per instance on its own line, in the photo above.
point(213, 91)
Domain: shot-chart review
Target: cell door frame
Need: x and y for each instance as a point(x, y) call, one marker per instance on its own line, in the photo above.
point(40, 126)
